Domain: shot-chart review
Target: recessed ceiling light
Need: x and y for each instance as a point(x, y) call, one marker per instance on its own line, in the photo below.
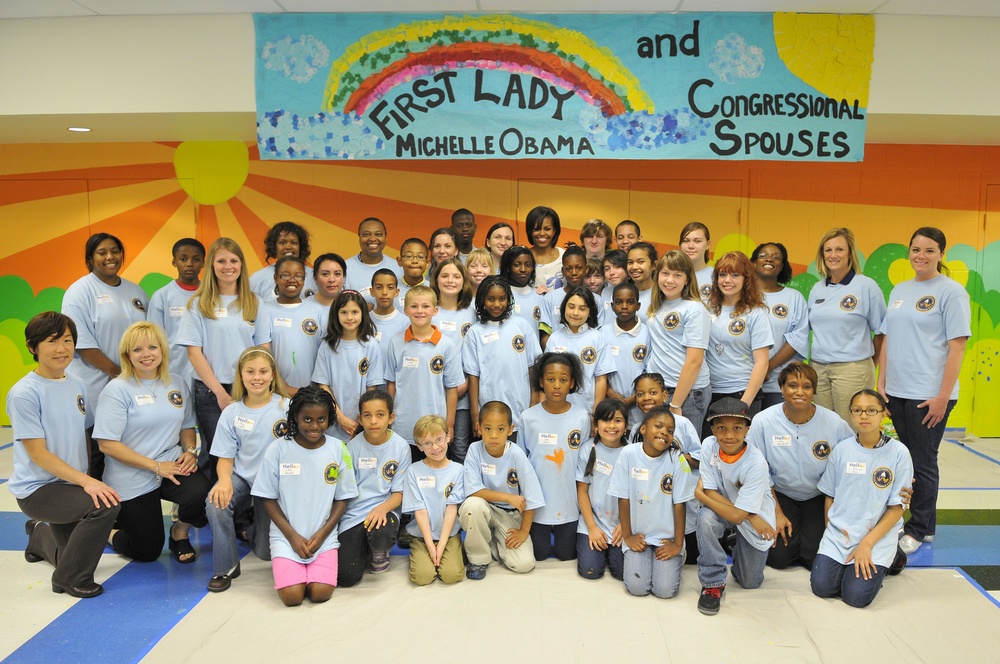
point(83, 129)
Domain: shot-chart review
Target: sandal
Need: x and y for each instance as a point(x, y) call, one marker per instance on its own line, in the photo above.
point(182, 547)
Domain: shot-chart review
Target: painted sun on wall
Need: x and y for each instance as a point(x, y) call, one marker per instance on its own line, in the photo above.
point(53, 197)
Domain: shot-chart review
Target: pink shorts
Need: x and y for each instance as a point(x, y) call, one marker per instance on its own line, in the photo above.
point(293, 573)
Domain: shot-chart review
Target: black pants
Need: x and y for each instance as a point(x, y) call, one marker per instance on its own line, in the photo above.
point(808, 524)
point(565, 540)
point(72, 532)
point(140, 522)
point(356, 543)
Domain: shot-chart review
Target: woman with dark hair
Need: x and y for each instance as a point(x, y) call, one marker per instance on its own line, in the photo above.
point(70, 513)
point(285, 238)
point(786, 311)
point(499, 239)
point(543, 228)
point(102, 305)
point(926, 329)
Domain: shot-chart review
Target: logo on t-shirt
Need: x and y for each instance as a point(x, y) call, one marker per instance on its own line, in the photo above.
point(137, 303)
point(849, 303)
point(882, 477)
point(437, 364)
point(389, 470)
point(588, 355)
point(737, 326)
point(639, 353)
point(536, 312)
point(308, 293)
point(671, 320)
point(465, 329)
point(280, 429)
point(80, 405)
point(518, 343)
point(448, 489)
point(310, 326)
point(667, 484)
point(363, 366)
point(573, 439)
point(821, 450)
point(706, 290)
point(779, 311)
point(512, 478)
point(175, 398)
point(926, 303)
point(330, 474)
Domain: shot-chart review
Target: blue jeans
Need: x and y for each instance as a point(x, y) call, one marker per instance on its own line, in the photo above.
point(923, 444)
point(645, 574)
point(748, 562)
point(207, 412)
point(695, 405)
point(769, 399)
point(559, 541)
point(460, 440)
point(830, 579)
point(591, 564)
point(224, 552)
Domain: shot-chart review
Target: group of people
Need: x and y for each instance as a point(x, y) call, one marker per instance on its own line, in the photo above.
point(514, 392)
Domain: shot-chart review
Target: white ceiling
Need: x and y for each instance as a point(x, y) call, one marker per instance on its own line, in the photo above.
point(56, 8)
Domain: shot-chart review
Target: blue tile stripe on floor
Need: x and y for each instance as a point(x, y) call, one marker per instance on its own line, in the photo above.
point(972, 451)
point(978, 587)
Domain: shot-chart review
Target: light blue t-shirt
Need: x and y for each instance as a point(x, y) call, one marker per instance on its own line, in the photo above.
point(628, 351)
point(603, 504)
point(591, 348)
point(745, 483)
point(295, 339)
point(552, 443)
point(675, 327)
point(388, 326)
point(305, 483)
point(689, 440)
point(224, 338)
point(788, 315)
point(500, 354)
point(102, 313)
point(380, 470)
point(422, 372)
point(358, 275)
point(262, 283)
point(796, 453)
point(56, 411)
point(455, 324)
point(843, 317)
point(732, 341)
point(552, 308)
point(921, 319)
point(244, 434)
point(511, 473)
point(147, 417)
point(863, 483)
point(528, 304)
point(433, 489)
point(349, 372)
point(652, 485)
point(166, 308)
point(704, 279)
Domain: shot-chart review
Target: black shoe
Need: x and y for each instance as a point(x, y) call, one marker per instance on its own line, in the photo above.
point(729, 542)
point(86, 592)
point(711, 600)
point(221, 582)
point(898, 563)
point(29, 528)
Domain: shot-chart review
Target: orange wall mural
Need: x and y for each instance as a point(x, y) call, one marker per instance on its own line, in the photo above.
point(52, 197)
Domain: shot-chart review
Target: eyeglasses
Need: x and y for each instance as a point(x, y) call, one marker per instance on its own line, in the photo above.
point(410, 257)
point(764, 256)
point(870, 412)
point(284, 276)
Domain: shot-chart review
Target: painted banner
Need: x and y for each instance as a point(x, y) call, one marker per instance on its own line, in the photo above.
point(612, 86)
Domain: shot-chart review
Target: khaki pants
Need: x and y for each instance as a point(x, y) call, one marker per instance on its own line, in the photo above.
point(486, 527)
point(839, 381)
point(422, 570)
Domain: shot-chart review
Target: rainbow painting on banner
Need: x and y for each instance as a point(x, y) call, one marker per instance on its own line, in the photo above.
point(614, 86)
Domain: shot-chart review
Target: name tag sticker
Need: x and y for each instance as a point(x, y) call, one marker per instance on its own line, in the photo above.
point(603, 467)
point(715, 461)
point(641, 474)
point(221, 312)
point(781, 440)
point(103, 299)
point(291, 469)
point(244, 423)
point(615, 350)
point(426, 482)
point(144, 400)
point(488, 468)
point(896, 304)
point(548, 439)
point(559, 349)
point(282, 322)
point(367, 463)
point(176, 312)
point(411, 362)
point(856, 467)
point(490, 337)
point(517, 308)
point(448, 325)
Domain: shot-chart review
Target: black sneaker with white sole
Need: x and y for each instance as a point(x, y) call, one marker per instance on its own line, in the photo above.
point(711, 600)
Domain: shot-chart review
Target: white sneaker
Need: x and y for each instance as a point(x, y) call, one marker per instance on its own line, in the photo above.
point(908, 544)
point(928, 539)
